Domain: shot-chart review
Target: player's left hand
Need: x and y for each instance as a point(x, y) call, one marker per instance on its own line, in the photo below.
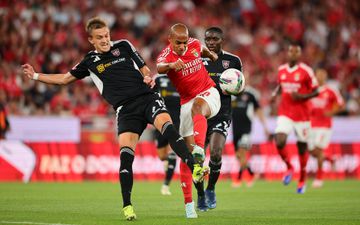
point(149, 81)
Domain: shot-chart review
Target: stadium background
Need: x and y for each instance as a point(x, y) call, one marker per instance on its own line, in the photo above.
point(50, 35)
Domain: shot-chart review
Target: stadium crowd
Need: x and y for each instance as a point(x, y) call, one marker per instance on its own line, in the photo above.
point(50, 35)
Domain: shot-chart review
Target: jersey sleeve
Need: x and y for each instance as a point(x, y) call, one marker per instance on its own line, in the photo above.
point(163, 57)
point(337, 98)
point(134, 54)
point(312, 82)
point(238, 64)
point(80, 70)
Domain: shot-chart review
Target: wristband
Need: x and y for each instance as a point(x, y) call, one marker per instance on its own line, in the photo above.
point(36, 76)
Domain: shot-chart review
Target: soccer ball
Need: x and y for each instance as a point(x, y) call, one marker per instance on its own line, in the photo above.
point(232, 81)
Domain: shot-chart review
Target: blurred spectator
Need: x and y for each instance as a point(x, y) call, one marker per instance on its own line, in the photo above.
point(49, 35)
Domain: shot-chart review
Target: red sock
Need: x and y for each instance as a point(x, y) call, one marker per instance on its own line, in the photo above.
point(285, 158)
point(319, 174)
point(303, 161)
point(186, 182)
point(200, 128)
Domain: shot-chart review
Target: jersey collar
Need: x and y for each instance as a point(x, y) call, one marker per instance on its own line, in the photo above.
point(292, 69)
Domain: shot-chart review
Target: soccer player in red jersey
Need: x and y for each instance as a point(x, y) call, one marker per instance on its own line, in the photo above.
point(297, 84)
point(199, 99)
point(327, 104)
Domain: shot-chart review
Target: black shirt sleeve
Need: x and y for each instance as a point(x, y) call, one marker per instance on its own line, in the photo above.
point(80, 70)
point(238, 65)
point(134, 54)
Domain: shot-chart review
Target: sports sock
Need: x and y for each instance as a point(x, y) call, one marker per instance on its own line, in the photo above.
point(319, 174)
point(284, 155)
point(250, 170)
point(126, 174)
point(186, 182)
point(240, 174)
point(200, 128)
point(200, 188)
point(177, 143)
point(215, 168)
point(170, 167)
point(303, 158)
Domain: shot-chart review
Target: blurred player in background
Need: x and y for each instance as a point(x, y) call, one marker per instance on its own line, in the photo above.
point(199, 99)
point(4, 122)
point(296, 84)
point(245, 107)
point(165, 153)
point(218, 125)
point(327, 104)
point(124, 80)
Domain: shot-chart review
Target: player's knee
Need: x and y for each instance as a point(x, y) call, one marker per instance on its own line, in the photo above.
point(215, 155)
point(280, 141)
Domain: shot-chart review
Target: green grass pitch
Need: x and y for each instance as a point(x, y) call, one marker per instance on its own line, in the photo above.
point(91, 203)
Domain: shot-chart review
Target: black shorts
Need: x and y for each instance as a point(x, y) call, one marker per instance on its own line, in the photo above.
point(241, 140)
point(134, 116)
point(219, 124)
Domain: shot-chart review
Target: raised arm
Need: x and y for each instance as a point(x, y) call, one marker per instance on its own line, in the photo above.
point(60, 79)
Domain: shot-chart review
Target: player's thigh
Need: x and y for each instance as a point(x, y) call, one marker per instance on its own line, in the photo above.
point(186, 123)
point(284, 125)
point(322, 137)
point(302, 131)
point(212, 98)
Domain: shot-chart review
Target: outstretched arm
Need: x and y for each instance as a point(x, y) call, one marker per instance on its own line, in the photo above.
point(61, 78)
point(205, 52)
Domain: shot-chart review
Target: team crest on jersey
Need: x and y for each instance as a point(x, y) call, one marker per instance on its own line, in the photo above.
point(283, 77)
point(226, 64)
point(244, 98)
point(116, 52)
point(195, 53)
point(297, 76)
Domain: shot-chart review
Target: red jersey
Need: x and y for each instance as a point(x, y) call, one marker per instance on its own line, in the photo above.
point(194, 78)
point(300, 78)
point(323, 103)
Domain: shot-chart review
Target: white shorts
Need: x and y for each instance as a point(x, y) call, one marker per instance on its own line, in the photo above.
point(286, 125)
point(319, 138)
point(212, 97)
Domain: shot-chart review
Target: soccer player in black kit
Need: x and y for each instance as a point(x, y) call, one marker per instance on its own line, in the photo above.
point(124, 80)
point(218, 125)
point(245, 107)
point(172, 101)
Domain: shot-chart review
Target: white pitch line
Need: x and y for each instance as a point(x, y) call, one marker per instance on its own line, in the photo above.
point(33, 223)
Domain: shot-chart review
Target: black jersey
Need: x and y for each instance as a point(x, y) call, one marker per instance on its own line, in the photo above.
point(115, 73)
point(225, 61)
point(244, 107)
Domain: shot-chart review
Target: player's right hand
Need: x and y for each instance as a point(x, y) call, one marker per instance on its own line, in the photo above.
point(28, 70)
point(178, 65)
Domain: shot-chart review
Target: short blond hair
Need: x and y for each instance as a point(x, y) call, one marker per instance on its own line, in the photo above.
point(94, 23)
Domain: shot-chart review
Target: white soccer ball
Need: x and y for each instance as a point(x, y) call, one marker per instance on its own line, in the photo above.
point(232, 81)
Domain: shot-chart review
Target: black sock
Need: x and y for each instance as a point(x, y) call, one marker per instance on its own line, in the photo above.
point(177, 143)
point(170, 167)
point(200, 188)
point(250, 171)
point(126, 174)
point(240, 174)
point(214, 174)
